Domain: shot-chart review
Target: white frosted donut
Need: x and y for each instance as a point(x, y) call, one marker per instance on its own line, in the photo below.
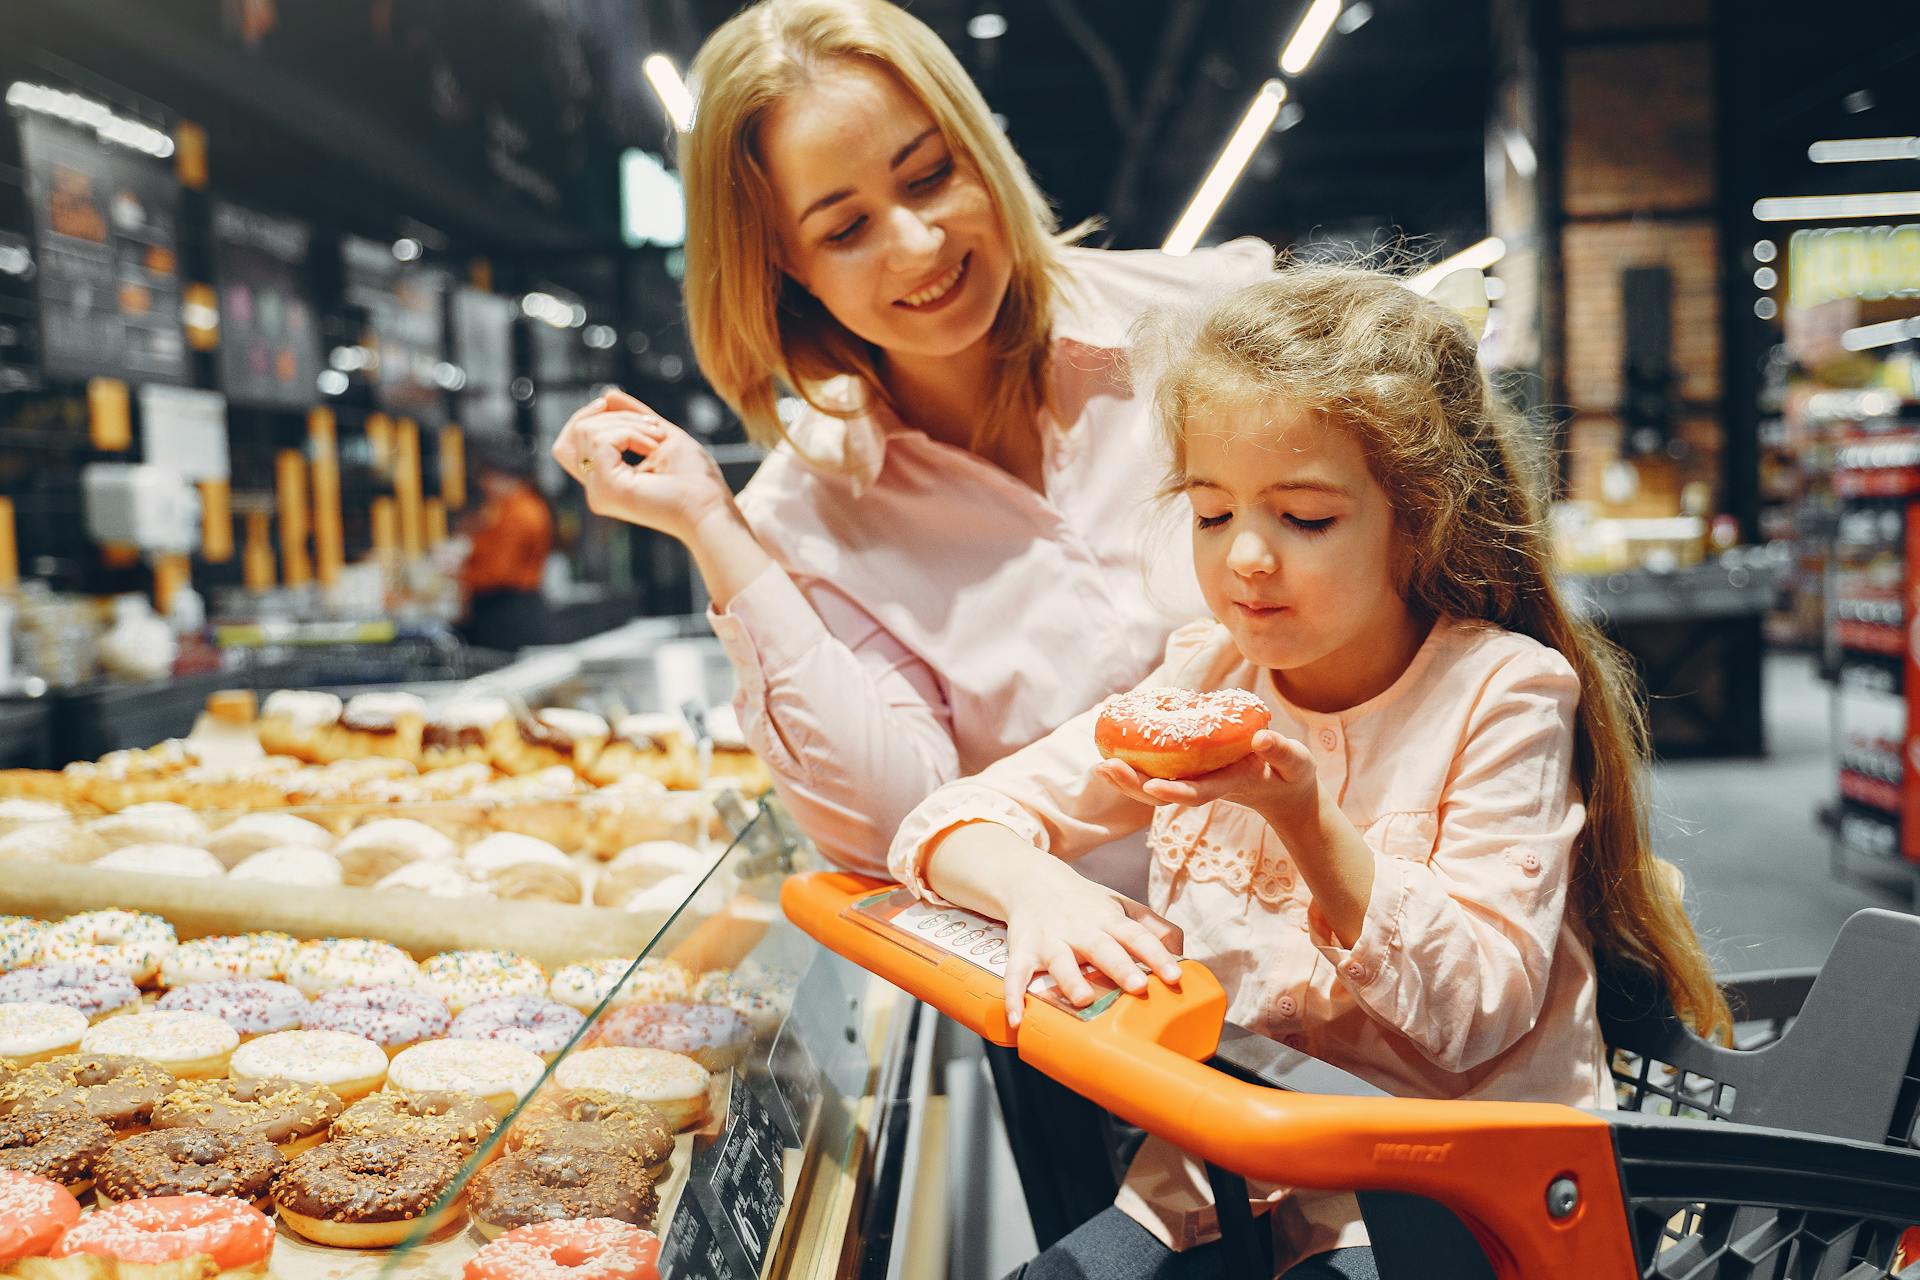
point(62, 841)
point(193, 1046)
point(490, 1069)
point(666, 857)
point(248, 835)
point(133, 942)
point(645, 728)
point(676, 1086)
point(307, 709)
point(17, 812)
point(332, 963)
point(34, 1031)
point(435, 879)
point(384, 705)
point(462, 978)
point(509, 848)
point(352, 1066)
point(158, 822)
point(473, 713)
point(585, 985)
point(294, 864)
point(380, 848)
point(242, 955)
point(22, 939)
point(578, 726)
point(164, 860)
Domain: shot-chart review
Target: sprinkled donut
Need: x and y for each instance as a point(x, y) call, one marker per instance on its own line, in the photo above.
point(351, 1066)
point(594, 1118)
point(462, 978)
point(193, 1046)
point(1179, 733)
point(499, 1073)
point(332, 963)
point(179, 1162)
point(94, 989)
point(532, 1022)
point(674, 1086)
point(444, 1119)
point(60, 1147)
point(584, 986)
point(35, 1031)
point(33, 1213)
point(21, 940)
point(367, 1193)
point(120, 1092)
point(712, 1035)
point(563, 1183)
point(240, 955)
point(134, 942)
point(590, 1249)
point(290, 1115)
point(235, 1235)
point(250, 1006)
point(391, 1017)
point(754, 1003)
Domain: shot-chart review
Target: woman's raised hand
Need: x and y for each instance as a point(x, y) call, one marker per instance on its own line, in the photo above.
point(673, 484)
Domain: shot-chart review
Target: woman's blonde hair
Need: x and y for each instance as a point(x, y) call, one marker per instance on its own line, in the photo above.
point(1360, 350)
point(754, 329)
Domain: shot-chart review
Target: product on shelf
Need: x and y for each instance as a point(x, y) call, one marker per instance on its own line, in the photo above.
point(365, 1193)
point(594, 1118)
point(560, 1183)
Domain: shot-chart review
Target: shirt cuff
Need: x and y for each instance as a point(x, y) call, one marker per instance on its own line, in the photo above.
point(1373, 952)
point(941, 812)
point(767, 628)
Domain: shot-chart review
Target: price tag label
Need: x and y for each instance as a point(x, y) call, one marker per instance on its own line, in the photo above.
point(746, 1176)
point(692, 1251)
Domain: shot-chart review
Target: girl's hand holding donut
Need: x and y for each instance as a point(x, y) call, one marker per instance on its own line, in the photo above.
point(675, 486)
point(1061, 919)
point(1277, 780)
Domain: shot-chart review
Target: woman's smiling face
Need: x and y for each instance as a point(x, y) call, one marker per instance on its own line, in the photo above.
point(883, 220)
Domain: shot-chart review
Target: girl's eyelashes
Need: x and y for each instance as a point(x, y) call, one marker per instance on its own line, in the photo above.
point(921, 186)
point(1311, 526)
point(1214, 522)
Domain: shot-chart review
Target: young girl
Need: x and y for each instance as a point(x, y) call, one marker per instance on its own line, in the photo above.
point(1408, 875)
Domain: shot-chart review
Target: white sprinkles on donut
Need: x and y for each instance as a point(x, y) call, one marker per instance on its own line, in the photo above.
point(1169, 717)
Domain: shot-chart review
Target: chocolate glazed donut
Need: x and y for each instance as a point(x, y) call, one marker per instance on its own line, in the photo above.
point(366, 1192)
point(594, 1118)
point(178, 1162)
point(59, 1147)
point(561, 1183)
point(113, 1088)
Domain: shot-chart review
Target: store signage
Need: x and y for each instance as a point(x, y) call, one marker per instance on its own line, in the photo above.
point(269, 335)
point(108, 270)
point(404, 307)
point(1853, 262)
point(747, 1178)
point(692, 1251)
point(185, 430)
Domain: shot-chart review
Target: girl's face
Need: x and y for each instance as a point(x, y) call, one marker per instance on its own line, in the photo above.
point(1294, 542)
point(881, 219)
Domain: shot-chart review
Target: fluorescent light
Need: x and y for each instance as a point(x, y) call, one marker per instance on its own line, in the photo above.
point(670, 89)
point(1226, 170)
point(1865, 204)
point(1855, 150)
point(1868, 336)
point(1478, 256)
point(987, 26)
point(1354, 17)
point(1307, 37)
point(83, 111)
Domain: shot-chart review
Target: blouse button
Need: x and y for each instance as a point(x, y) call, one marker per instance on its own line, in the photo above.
point(1287, 1006)
point(1530, 863)
point(1356, 971)
point(1329, 739)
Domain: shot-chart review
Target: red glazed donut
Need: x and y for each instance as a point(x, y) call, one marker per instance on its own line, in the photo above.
point(234, 1234)
point(1178, 733)
point(585, 1249)
point(33, 1213)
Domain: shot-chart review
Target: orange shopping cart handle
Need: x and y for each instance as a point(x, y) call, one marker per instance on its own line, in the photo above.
point(1143, 1058)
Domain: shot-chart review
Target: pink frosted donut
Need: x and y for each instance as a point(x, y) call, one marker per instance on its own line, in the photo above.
point(391, 1017)
point(532, 1022)
point(253, 1007)
point(713, 1035)
point(93, 989)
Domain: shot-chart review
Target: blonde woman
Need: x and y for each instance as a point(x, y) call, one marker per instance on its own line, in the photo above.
point(948, 551)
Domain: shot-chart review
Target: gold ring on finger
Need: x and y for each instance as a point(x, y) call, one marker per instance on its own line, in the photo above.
point(586, 464)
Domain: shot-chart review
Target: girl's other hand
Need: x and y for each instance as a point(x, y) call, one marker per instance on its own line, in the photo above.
point(674, 485)
point(1061, 920)
point(1277, 780)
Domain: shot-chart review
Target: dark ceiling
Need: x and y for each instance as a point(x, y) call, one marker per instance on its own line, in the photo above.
point(498, 122)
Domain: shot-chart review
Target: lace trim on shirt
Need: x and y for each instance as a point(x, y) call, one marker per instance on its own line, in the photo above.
point(1229, 847)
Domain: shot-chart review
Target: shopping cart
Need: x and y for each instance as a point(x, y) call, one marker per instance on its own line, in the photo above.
point(1542, 1190)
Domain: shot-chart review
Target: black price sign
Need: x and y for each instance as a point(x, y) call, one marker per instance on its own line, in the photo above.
point(692, 1251)
point(746, 1179)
